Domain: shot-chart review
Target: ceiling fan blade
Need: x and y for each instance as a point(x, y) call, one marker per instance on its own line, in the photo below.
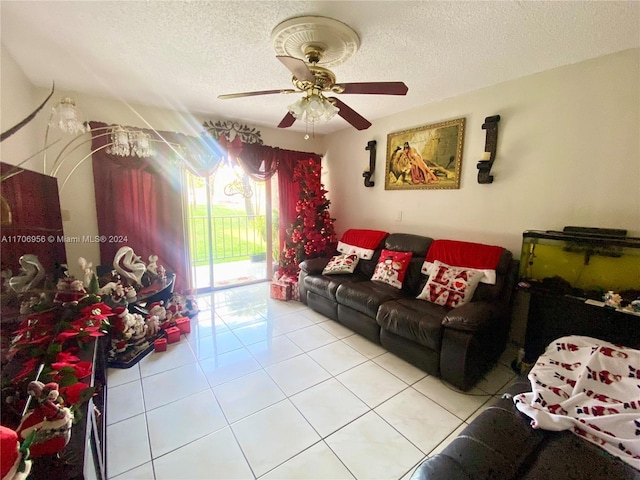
point(350, 115)
point(287, 121)
point(253, 94)
point(298, 67)
point(375, 88)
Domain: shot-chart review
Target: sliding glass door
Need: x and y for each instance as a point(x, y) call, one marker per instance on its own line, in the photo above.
point(232, 228)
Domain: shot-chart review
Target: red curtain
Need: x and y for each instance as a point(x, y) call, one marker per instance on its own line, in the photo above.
point(260, 162)
point(140, 199)
point(288, 189)
point(139, 202)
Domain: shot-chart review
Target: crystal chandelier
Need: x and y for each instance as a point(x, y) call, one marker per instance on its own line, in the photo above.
point(119, 142)
point(67, 117)
point(125, 143)
point(141, 144)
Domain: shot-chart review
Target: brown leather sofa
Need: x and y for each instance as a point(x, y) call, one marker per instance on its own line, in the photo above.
point(459, 344)
point(500, 444)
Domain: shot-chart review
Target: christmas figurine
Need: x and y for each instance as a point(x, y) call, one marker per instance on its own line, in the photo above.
point(51, 421)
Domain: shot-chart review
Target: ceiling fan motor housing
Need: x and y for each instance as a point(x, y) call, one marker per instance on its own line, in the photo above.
point(325, 80)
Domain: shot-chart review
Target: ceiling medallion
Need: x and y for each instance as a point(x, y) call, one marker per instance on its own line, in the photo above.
point(337, 41)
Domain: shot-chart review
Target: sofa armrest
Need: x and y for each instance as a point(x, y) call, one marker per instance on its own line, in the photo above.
point(471, 317)
point(314, 266)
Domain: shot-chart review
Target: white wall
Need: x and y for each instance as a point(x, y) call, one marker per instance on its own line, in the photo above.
point(18, 100)
point(568, 154)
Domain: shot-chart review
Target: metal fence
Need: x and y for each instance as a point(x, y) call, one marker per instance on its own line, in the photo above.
point(233, 238)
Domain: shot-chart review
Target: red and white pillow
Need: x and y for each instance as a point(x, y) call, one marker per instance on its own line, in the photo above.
point(450, 286)
point(341, 264)
point(487, 275)
point(468, 255)
point(361, 242)
point(392, 267)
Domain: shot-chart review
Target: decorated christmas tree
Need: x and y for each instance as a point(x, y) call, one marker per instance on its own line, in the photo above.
point(312, 233)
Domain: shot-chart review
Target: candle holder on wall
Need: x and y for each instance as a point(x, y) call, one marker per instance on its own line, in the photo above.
point(490, 145)
point(371, 146)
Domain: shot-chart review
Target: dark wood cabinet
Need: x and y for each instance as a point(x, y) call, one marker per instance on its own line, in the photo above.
point(554, 316)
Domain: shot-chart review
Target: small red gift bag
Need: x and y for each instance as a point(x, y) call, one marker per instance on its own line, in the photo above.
point(173, 334)
point(184, 324)
point(160, 345)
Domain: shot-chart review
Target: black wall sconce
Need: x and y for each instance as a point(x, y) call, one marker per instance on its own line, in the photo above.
point(490, 145)
point(371, 146)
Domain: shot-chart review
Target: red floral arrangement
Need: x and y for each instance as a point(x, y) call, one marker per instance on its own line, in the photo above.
point(312, 234)
point(47, 345)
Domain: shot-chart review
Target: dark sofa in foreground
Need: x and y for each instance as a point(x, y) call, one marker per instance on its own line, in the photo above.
point(500, 444)
point(458, 343)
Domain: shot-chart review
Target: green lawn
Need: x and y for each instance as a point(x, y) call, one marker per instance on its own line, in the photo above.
point(235, 237)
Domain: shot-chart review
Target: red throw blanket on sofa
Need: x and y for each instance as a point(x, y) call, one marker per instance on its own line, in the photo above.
point(464, 254)
point(590, 387)
point(361, 242)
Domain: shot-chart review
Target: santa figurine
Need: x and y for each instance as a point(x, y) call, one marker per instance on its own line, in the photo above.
point(156, 317)
point(51, 421)
point(14, 462)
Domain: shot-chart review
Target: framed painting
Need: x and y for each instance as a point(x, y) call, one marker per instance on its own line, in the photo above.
point(426, 157)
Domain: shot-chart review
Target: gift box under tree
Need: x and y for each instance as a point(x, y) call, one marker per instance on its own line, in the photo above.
point(280, 291)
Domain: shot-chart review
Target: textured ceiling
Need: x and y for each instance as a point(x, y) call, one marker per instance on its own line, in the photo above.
point(182, 55)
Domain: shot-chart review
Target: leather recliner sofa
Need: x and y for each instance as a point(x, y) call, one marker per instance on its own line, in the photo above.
point(459, 344)
point(501, 445)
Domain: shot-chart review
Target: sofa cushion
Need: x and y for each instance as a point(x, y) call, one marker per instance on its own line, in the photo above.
point(414, 320)
point(366, 297)
point(392, 267)
point(326, 286)
point(314, 266)
point(450, 286)
point(406, 242)
point(341, 264)
point(492, 292)
point(579, 460)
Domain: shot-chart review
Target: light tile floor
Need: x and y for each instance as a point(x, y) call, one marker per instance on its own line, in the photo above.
point(273, 390)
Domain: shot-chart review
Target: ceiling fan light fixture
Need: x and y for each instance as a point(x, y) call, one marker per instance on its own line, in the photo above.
point(313, 108)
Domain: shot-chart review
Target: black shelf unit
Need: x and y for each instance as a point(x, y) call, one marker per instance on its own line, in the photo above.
point(552, 316)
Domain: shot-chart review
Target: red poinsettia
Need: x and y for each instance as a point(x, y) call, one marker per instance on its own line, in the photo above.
point(27, 368)
point(97, 311)
point(91, 323)
point(42, 338)
point(79, 370)
point(68, 356)
point(72, 393)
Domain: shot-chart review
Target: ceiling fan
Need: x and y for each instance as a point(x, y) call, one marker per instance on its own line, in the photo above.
point(314, 81)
